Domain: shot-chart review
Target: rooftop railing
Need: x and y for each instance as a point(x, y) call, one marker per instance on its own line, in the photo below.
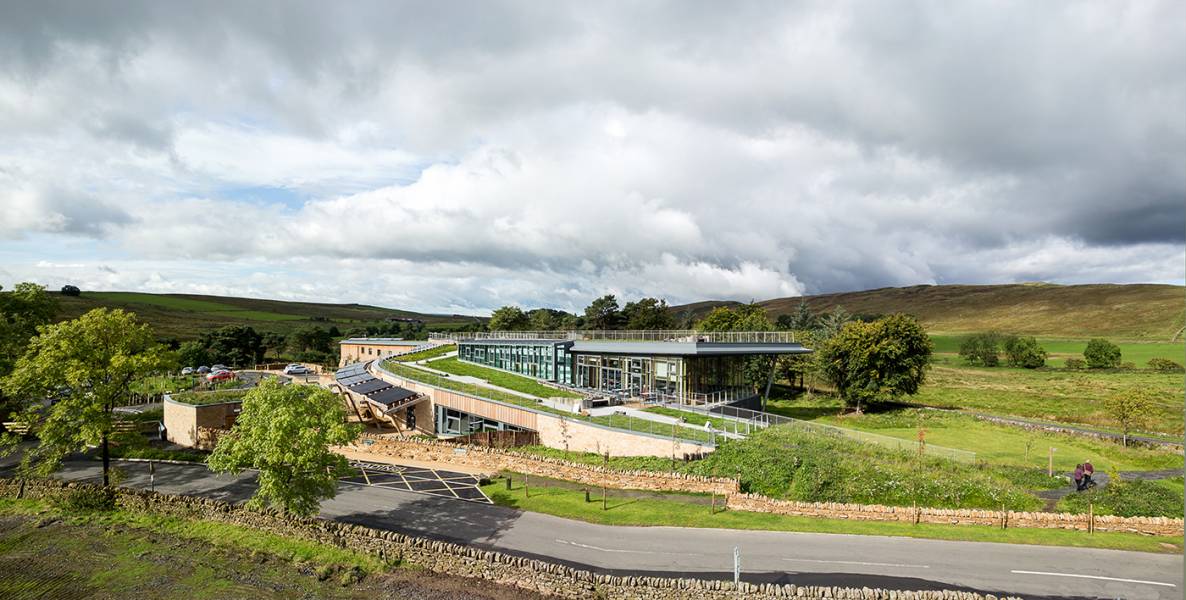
point(628, 335)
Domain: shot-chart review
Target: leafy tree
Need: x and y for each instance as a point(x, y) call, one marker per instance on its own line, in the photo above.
point(647, 313)
point(234, 345)
point(830, 323)
point(310, 339)
point(286, 431)
point(509, 318)
point(89, 364)
point(982, 349)
point(274, 343)
point(746, 317)
point(603, 313)
point(877, 361)
point(800, 320)
point(1102, 354)
point(71, 290)
point(22, 311)
point(1024, 352)
point(1130, 409)
point(193, 354)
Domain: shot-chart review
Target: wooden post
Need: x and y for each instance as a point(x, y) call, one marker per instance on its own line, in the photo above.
point(603, 502)
point(508, 483)
point(713, 510)
point(1091, 517)
point(1050, 466)
point(587, 500)
point(526, 490)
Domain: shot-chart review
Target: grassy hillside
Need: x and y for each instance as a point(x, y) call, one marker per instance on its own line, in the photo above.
point(1136, 312)
point(184, 316)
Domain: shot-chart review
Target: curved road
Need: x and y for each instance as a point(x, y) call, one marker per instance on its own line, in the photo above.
point(801, 558)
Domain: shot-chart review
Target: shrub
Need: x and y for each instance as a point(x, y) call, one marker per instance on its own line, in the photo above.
point(86, 499)
point(1128, 365)
point(981, 349)
point(1024, 352)
point(1076, 363)
point(1128, 499)
point(1165, 365)
point(1102, 354)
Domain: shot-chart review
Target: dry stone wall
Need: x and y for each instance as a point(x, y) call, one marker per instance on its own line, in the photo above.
point(493, 460)
point(872, 512)
point(457, 560)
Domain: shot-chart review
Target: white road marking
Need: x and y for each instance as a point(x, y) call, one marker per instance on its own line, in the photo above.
point(857, 562)
point(1095, 577)
point(579, 545)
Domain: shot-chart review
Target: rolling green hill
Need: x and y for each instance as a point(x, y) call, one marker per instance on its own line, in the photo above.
point(184, 316)
point(1133, 312)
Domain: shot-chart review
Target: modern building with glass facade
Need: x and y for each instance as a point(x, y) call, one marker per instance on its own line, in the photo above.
point(688, 370)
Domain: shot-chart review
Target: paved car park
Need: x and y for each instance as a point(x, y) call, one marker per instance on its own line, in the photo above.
point(449, 484)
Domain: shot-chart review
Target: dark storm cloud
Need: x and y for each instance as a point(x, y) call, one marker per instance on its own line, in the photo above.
point(759, 147)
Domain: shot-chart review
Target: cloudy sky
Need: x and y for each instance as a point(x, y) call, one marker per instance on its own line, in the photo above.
point(458, 156)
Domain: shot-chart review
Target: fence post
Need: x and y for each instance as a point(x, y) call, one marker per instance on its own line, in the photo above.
point(603, 503)
point(1091, 517)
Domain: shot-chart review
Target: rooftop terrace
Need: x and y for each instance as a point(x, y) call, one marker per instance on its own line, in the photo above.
point(687, 336)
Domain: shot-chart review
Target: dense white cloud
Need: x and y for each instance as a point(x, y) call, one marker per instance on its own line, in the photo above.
point(462, 157)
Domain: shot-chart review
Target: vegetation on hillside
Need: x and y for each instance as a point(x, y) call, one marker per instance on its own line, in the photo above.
point(1122, 312)
point(499, 378)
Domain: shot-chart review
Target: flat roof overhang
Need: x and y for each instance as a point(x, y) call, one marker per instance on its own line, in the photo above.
point(686, 348)
point(528, 342)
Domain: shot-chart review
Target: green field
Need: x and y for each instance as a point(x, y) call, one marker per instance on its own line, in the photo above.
point(1005, 445)
point(630, 511)
point(1075, 396)
point(185, 316)
point(503, 379)
point(1137, 353)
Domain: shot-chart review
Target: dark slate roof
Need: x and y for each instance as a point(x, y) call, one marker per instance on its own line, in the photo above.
point(390, 395)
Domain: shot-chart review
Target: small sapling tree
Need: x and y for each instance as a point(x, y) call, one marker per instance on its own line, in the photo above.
point(1130, 409)
point(286, 431)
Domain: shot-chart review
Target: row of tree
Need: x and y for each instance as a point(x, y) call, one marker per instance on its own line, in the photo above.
point(986, 349)
point(602, 313)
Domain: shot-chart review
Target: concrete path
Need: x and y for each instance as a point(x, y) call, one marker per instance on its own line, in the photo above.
point(801, 558)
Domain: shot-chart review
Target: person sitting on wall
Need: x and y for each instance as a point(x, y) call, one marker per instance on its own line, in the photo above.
point(1078, 477)
point(1088, 472)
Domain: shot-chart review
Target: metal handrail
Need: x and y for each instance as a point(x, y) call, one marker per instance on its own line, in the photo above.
point(645, 335)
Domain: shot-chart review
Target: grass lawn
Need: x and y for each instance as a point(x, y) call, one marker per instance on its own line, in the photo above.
point(164, 384)
point(647, 512)
point(1138, 353)
point(426, 354)
point(504, 379)
point(45, 552)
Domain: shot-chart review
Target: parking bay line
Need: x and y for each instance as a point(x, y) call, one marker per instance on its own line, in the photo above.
point(859, 563)
point(1101, 577)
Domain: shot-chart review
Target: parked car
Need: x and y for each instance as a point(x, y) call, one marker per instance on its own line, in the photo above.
point(187, 371)
point(222, 375)
point(203, 369)
point(297, 369)
point(219, 368)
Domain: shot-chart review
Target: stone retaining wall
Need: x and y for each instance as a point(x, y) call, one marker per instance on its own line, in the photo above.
point(464, 561)
point(872, 512)
point(493, 460)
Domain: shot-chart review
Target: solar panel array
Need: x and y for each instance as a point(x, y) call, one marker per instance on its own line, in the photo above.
point(356, 379)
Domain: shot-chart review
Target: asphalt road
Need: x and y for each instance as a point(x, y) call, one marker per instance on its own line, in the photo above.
point(801, 558)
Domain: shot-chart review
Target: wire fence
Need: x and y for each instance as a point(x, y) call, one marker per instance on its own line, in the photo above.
point(743, 422)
